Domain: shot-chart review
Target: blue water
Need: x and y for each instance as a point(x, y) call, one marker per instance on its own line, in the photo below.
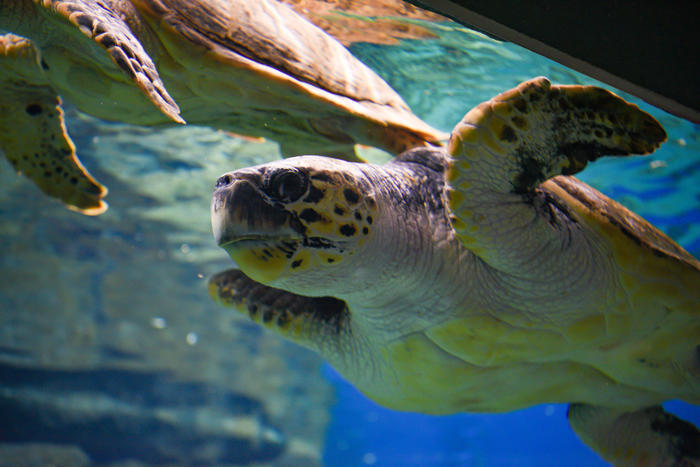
point(127, 290)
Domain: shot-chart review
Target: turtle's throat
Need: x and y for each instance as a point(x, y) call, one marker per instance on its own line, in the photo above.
point(262, 259)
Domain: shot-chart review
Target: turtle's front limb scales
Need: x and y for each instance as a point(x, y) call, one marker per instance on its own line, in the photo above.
point(504, 148)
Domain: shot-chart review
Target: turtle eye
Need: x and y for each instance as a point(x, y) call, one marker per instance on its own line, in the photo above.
point(288, 185)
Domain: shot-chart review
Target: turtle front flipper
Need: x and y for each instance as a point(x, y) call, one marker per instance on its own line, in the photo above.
point(649, 436)
point(86, 45)
point(504, 148)
point(33, 135)
point(298, 318)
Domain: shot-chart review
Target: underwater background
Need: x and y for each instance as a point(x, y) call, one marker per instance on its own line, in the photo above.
point(108, 334)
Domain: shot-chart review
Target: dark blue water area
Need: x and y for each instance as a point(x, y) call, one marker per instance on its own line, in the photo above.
point(364, 433)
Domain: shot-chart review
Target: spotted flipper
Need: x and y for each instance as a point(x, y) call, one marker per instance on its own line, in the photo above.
point(649, 437)
point(108, 31)
point(33, 135)
point(505, 148)
point(296, 317)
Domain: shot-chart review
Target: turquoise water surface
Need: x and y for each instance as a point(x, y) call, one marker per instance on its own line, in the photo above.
point(119, 304)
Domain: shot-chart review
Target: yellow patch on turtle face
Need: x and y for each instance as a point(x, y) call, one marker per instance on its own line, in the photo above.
point(335, 210)
point(263, 263)
point(282, 219)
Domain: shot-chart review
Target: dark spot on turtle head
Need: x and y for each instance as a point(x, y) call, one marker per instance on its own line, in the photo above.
point(297, 226)
point(310, 215)
point(534, 97)
point(34, 109)
point(348, 230)
point(339, 210)
point(321, 177)
point(315, 195)
point(365, 230)
point(297, 263)
point(358, 216)
point(44, 65)
point(74, 180)
point(508, 134)
point(370, 220)
point(351, 195)
point(330, 260)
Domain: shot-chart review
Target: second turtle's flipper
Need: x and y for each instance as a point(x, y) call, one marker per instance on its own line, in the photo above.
point(536, 131)
point(648, 437)
point(104, 32)
point(33, 136)
point(503, 151)
point(294, 316)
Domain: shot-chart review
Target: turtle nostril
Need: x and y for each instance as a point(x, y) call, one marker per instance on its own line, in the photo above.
point(223, 181)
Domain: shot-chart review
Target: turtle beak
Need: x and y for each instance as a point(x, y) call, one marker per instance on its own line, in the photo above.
point(241, 212)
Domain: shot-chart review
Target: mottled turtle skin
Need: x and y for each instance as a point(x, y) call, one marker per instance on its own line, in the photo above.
point(252, 67)
point(483, 278)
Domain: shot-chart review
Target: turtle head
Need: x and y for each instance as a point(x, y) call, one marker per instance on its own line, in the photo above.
point(293, 223)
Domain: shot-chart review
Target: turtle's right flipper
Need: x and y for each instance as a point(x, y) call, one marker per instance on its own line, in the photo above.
point(504, 149)
point(33, 136)
point(536, 131)
point(294, 316)
point(649, 436)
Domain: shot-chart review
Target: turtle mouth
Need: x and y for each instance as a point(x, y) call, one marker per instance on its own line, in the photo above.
point(248, 241)
point(241, 217)
point(254, 241)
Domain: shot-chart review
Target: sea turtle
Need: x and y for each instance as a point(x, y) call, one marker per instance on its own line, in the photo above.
point(252, 67)
point(481, 277)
